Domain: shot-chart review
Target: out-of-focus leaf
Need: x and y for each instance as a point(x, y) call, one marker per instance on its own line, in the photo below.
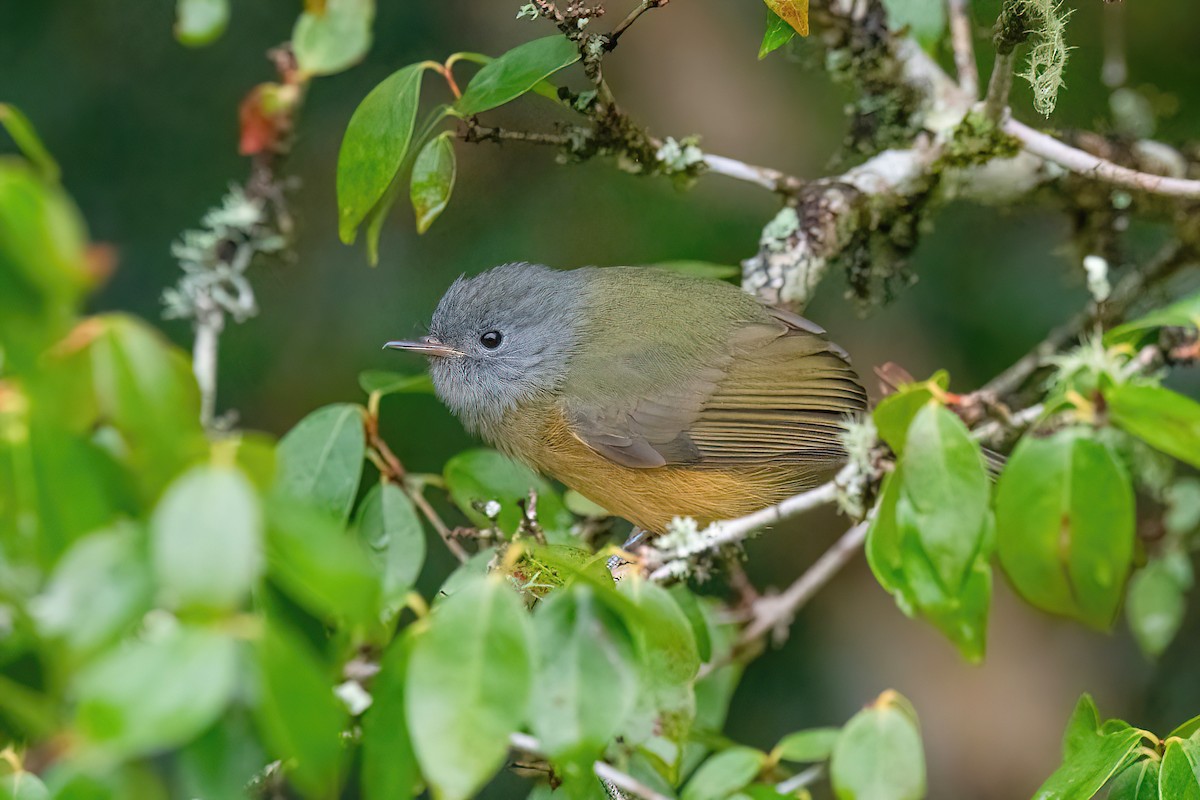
point(25, 136)
point(879, 755)
point(581, 506)
point(98, 589)
point(477, 476)
point(1184, 313)
point(585, 676)
point(321, 565)
point(691, 608)
point(724, 774)
point(389, 766)
point(793, 12)
point(200, 22)
point(71, 780)
point(1155, 607)
point(156, 693)
point(1179, 775)
point(1183, 507)
point(252, 452)
point(815, 744)
point(1166, 420)
point(468, 687)
point(778, 33)
point(1136, 782)
point(699, 269)
point(321, 459)
point(374, 146)
point(925, 21)
point(333, 35)
point(206, 539)
point(1065, 525)
point(299, 716)
point(385, 382)
point(507, 77)
point(389, 526)
point(222, 761)
point(23, 786)
point(1092, 754)
point(433, 176)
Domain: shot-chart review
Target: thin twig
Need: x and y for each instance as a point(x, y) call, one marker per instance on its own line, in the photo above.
point(768, 178)
point(964, 47)
point(807, 777)
point(605, 771)
point(995, 104)
point(775, 612)
point(993, 430)
point(209, 324)
point(1083, 163)
point(642, 8)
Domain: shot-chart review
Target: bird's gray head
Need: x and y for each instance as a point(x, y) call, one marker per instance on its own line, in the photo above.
point(500, 339)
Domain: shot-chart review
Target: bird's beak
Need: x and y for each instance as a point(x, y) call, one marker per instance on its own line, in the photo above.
point(426, 345)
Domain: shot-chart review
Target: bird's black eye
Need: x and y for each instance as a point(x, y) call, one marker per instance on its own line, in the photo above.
point(491, 340)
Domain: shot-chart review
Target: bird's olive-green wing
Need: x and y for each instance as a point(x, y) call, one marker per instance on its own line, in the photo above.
point(775, 392)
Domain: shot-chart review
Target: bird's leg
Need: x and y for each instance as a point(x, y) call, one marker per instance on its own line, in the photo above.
point(635, 536)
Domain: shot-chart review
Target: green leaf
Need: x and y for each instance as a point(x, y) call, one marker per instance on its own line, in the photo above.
point(156, 693)
point(98, 590)
point(320, 565)
point(1166, 420)
point(321, 459)
point(475, 477)
point(699, 269)
point(206, 537)
point(25, 136)
point(815, 744)
point(1179, 776)
point(895, 413)
point(794, 12)
point(691, 608)
point(200, 22)
point(507, 77)
point(586, 675)
point(777, 34)
point(333, 35)
point(389, 766)
point(389, 526)
point(1155, 607)
point(925, 21)
point(1188, 729)
point(1092, 754)
point(374, 146)
point(299, 716)
point(1136, 782)
point(468, 686)
point(1065, 525)
point(432, 180)
point(223, 760)
point(878, 755)
point(386, 382)
point(724, 773)
point(23, 786)
point(1184, 313)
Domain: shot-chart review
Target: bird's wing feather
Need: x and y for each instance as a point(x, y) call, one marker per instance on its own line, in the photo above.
point(776, 393)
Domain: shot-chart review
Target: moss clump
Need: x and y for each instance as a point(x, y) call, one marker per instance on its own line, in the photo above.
point(976, 140)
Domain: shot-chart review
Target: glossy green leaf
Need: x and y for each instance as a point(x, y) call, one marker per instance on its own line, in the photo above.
point(925, 21)
point(1136, 782)
point(321, 565)
point(475, 477)
point(386, 382)
point(1065, 525)
point(586, 675)
point(333, 35)
point(433, 176)
point(1187, 729)
point(1092, 754)
point(1155, 607)
point(878, 755)
point(98, 590)
point(389, 765)
point(206, 539)
point(25, 136)
point(699, 269)
point(511, 75)
point(389, 526)
point(1166, 420)
point(200, 22)
point(894, 413)
point(300, 718)
point(374, 146)
point(811, 745)
point(777, 34)
point(320, 461)
point(724, 773)
point(1179, 776)
point(1184, 313)
point(156, 693)
point(468, 687)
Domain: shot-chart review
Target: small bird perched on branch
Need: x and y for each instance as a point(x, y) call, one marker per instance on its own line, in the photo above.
point(652, 393)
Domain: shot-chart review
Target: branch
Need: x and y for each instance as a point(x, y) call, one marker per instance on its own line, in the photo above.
point(771, 179)
point(607, 773)
point(964, 48)
point(1086, 164)
point(642, 8)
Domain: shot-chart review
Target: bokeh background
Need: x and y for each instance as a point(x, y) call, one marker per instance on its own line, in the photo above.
point(146, 132)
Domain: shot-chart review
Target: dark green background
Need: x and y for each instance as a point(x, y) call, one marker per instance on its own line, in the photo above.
point(146, 133)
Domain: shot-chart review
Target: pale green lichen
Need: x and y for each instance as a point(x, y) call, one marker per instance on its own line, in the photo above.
point(1046, 21)
point(679, 156)
point(527, 11)
point(775, 233)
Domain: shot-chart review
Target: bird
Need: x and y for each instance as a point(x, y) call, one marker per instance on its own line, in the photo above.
point(653, 393)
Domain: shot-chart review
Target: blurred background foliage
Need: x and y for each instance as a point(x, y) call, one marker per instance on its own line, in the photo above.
point(145, 130)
